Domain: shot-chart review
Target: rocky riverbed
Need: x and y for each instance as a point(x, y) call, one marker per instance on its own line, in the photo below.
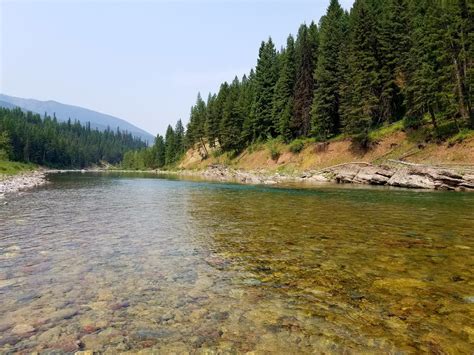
point(408, 176)
point(24, 181)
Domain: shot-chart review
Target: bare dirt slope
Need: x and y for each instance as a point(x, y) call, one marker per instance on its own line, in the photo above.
point(395, 146)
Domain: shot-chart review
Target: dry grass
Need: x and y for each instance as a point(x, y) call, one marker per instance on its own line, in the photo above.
point(391, 144)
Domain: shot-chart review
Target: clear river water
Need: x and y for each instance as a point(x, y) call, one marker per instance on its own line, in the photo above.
point(111, 263)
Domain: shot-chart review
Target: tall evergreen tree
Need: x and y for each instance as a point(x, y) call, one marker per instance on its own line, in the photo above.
point(306, 54)
point(325, 110)
point(159, 151)
point(363, 76)
point(232, 120)
point(265, 80)
point(284, 88)
point(170, 146)
point(179, 138)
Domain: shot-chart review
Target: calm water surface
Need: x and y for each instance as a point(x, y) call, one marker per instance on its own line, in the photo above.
point(114, 263)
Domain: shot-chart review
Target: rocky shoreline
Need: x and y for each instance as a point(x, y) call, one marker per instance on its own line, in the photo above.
point(411, 176)
point(20, 182)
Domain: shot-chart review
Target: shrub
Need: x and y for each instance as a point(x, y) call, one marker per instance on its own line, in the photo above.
point(275, 152)
point(361, 141)
point(412, 122)
point(446, 130)
point(296, 146)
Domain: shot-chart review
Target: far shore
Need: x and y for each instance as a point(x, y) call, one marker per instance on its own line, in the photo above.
point(395, 174)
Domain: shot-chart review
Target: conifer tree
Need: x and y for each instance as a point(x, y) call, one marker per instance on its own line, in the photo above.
point(265, 80)
point(325, 109)
point(212, 120)
point(179, 138)
point(159, 151)
point(305, 52)
point(232, 120)
point(363, 76)
point(284, 88)
point(170, 146)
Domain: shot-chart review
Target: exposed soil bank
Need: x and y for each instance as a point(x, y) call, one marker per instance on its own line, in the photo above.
point(23, 181)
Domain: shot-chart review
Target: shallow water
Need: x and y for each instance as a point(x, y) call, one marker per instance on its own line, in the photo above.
point(115, 262)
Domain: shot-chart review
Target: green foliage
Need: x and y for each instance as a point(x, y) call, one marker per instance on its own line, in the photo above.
point(266, 75)
point(326, 119)
point(44, 141)
point(461, 136)
point(386, 130)
point(164, 153)
point(445, 130)
point(5, 146)
point(384, 62)
point(306, 59)
point(283, 96)
point(274, 152)
point(412, 122)
point(13, 167)
point(296, 146)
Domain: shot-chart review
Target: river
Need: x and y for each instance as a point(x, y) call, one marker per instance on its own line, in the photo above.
point(112, 262)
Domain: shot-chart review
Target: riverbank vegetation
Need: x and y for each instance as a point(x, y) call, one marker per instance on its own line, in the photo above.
point(383, 62)
point(14, 167)
point(30, 138)
point(383, 67)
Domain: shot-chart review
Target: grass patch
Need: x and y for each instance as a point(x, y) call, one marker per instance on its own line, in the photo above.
point(460, 137)
point(12, 167)
point(385, 131)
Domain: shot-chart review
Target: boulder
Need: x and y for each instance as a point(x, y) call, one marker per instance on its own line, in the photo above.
point(406, 178)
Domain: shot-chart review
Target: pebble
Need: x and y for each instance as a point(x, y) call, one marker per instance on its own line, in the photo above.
point(24, 181)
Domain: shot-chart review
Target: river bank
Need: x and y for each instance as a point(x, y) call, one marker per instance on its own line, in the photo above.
point(22, 181)
point(396, 175)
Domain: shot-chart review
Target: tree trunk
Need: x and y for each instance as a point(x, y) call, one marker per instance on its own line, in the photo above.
point(433, 117)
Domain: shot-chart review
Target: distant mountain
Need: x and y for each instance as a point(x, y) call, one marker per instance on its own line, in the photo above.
point(63, 112)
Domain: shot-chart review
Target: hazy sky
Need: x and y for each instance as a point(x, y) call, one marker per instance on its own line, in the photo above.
point(143, 61)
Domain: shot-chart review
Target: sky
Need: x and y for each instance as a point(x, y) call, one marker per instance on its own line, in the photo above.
point(143, 61)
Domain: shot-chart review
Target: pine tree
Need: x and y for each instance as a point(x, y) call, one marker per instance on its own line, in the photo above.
point(430, 90)
point(232, 120)
point(362, 86)
point(265, 80)
point(284, 88)
point(305, 52)
point(179, 138)
point(170, 146)
point(212, 120)
point(248, 102)
point(325, 109)
point(159, 151)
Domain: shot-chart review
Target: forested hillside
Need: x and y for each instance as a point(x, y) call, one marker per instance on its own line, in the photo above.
point(382, 62)
point(28, 137)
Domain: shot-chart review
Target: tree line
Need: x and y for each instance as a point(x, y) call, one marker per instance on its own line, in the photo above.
point(384, 61)
point(166, 151)
point(28, 137)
